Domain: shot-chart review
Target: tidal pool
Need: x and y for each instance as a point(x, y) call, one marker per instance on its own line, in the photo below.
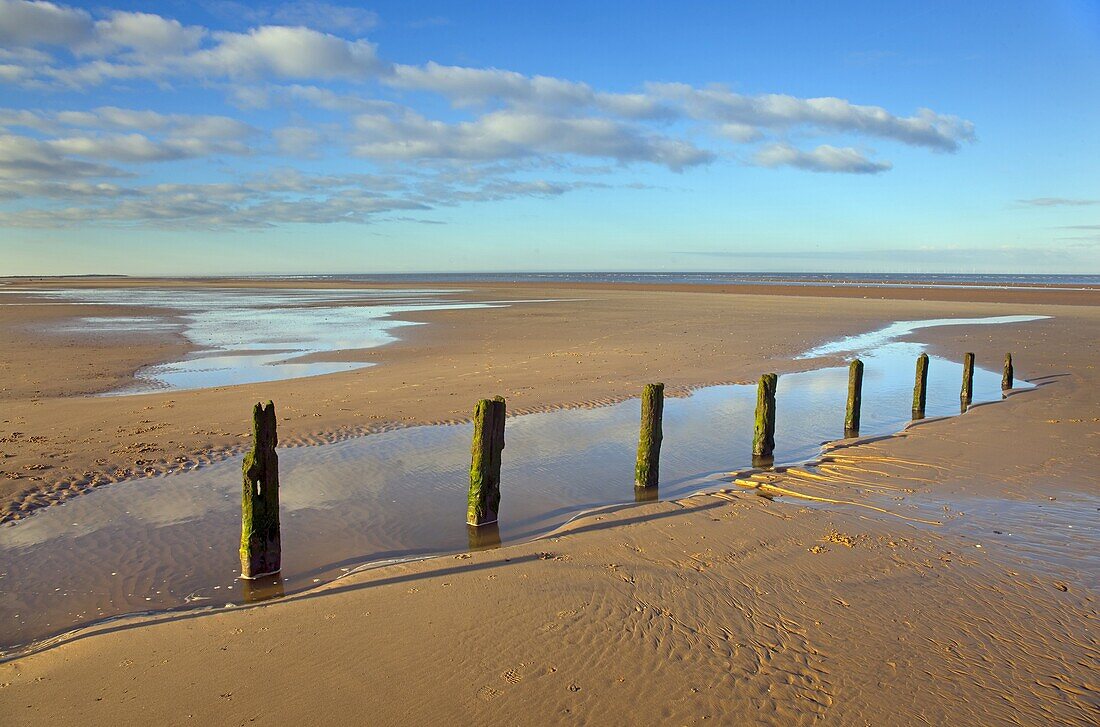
point(251, 335)
point(172, 542)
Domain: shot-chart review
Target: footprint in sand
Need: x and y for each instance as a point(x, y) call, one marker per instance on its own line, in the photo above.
point(512, 676)
point(487, 693)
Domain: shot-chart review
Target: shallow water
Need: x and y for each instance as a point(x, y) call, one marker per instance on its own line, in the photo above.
point(164, 543)
point(251, 335)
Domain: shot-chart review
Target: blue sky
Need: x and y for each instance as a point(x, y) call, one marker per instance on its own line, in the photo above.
point(222, 138)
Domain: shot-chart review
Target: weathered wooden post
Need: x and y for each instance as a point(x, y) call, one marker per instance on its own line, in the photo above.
point(261, 547)
point(1006, 377)
point(855, 398)
point(484, 497)
point(968, 378)
point(647, 468)
point(920, 388)
point(763, 439)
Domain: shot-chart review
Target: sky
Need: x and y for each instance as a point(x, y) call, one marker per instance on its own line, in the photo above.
point(217, 137)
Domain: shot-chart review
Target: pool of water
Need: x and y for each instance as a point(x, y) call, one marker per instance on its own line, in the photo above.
point(251, 335)
point(172, 542)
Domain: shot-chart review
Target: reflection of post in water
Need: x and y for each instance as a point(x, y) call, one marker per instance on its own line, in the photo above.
point(646, 494)
point(763, 461)
point(483, 537)
point(255, 590)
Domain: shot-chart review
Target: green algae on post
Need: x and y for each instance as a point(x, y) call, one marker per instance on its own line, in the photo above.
point(967, 394)
point(647, 468)
point(1007, 375)
point(763, 440)
point(855, 398)
point(920, 388)
point(484, 498)
point(261, 546)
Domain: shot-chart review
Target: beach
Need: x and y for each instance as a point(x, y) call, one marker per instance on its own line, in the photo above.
point(868, 587)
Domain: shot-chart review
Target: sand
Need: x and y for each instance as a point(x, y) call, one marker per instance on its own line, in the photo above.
point(728, 608)
point(57, 441)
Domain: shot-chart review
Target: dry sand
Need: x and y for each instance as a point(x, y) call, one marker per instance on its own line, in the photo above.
point(728, 608)
point(57, 441)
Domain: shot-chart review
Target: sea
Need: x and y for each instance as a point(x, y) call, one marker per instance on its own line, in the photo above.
point(886, 280)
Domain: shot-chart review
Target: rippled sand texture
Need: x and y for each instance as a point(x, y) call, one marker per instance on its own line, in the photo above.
point(735, 611)
point(731, 607)
point(141, 546)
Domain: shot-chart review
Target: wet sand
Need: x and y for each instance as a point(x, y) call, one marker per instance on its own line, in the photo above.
point(59, 441)
point(730, 607)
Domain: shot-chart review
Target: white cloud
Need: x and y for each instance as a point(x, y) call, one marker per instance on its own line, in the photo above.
point(283, 197)
point(27, 24)
point(331, 93)
point(22, 157)
point(515, 134)
point(113, 117)
point(135, 148)
point(824, 158)
point(299, 141)
point(775, 111)
point(144, 34)
point(288, 53)
point(477, 85)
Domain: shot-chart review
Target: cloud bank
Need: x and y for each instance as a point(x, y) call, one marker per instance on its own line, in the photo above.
point(432, 135)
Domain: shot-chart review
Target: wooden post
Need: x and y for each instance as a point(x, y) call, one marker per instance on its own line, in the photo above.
point(855, 398)
point(763, 440)
point(261, 546)
point(1006, 377)
point(647, 468)
point(968, 379)
point(484, 497)
point(920, 388)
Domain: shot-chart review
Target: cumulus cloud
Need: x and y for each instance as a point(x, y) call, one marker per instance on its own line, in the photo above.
point(514, 134)
point(22, 157)
point(144, 34)
point(28, 24)
point(140, 148)
point(137, 45)
point(776, 111)
point(326, 91)
point(299, 141)
point(281, 198)
point(824, 158)
point(284, 52)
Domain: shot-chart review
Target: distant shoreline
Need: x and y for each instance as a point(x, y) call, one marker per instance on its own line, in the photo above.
point(978, 281)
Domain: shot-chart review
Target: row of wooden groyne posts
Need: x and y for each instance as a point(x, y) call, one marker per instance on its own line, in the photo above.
point(261, 552)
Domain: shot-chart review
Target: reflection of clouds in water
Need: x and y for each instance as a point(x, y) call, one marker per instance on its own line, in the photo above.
point(871, 339)
point(125, 507)
point(299, 322)
point(403, 492)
